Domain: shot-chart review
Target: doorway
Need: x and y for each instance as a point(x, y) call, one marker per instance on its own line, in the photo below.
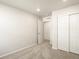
point(47, 28)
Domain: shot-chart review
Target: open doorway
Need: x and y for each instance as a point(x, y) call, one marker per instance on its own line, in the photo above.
point(47, 28)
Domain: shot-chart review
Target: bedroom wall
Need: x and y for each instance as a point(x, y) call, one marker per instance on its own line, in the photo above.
point(18, 29)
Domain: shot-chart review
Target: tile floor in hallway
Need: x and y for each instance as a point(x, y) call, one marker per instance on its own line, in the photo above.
point(42, 51)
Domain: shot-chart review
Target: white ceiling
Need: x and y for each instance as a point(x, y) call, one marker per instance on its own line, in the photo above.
point(46, 6)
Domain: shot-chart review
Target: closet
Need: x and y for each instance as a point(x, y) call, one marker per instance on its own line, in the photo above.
point(65, 32)
point(68, 33)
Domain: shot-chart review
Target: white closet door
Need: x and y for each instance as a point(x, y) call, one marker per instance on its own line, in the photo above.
point(74, 33)
point(63, 32)
point(40, 31)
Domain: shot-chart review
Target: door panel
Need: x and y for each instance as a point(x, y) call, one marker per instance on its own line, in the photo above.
point(47, 30)
point(40, 31)
point(63, 39)
point(74, 33)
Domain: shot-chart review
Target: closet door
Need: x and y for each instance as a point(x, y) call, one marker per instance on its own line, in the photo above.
point(40, 31)
point(63, 32)
point(74, 33)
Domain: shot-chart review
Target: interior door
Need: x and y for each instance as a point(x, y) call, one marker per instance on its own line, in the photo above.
point(74, 33)
point(40, 31)
point(47, 30)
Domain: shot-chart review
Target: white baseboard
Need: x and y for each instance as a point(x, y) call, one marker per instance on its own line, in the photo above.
point(16, 51)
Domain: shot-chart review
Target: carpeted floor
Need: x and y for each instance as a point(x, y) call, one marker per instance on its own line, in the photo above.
point(42, 51)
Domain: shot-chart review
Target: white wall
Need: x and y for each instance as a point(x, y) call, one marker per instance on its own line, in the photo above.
point(18, 29)
point(63, 28)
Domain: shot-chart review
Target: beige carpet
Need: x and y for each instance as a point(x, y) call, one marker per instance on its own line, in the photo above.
point(42, 51)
